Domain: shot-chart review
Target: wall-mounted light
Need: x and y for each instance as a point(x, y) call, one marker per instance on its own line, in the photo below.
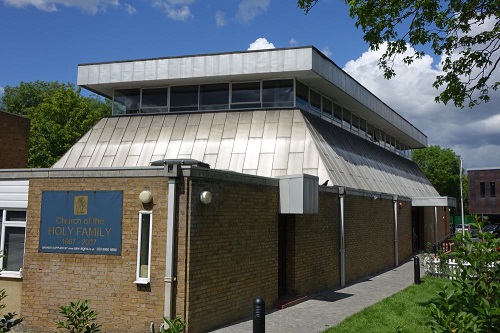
point(400, 205)
point(145, 197)
point(374, 197)
point(205, 197)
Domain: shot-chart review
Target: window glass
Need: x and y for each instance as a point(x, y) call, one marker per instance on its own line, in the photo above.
point(362, 127)
point(13, 248)
point(369, 131)
point(144, 248)
point(327, 107)
point(301, 95)
point(184, 98)
point(15, 215)
point(346, 118)
point(481, 189)
point(492, 189)
point(315, 101)
point(245, 95)
point(214, 96)
point(154, 100)
point(337, 112)
point(355, 122)
point(126, 101)
point(277, 93)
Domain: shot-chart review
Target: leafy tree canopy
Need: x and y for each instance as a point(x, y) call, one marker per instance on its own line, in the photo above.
point(58, 114)
point(442, 167)
point(465, 33)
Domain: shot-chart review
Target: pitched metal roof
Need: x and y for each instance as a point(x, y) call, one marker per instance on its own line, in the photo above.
point(264, 143)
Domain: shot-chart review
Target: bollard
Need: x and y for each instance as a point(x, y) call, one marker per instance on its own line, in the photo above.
point(416, 269)
point(259, 315)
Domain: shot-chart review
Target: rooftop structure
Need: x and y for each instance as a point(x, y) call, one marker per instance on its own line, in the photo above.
point(268, 112)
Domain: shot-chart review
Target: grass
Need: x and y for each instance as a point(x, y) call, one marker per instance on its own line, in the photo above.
point(404, 312)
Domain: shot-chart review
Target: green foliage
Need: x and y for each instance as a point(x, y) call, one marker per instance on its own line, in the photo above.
point(79, 318)
point(174, 325)
point(442, 167)
point(170, 325)
point(58, 114)
point(471, 303)
point(7, 321)
point(455, 30)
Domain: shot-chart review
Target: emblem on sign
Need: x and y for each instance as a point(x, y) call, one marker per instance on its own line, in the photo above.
point(80, 205)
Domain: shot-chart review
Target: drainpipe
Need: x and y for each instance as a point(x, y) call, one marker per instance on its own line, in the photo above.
point(342, 244)
point(436, 228)
point(396, 241)
point(169, 270)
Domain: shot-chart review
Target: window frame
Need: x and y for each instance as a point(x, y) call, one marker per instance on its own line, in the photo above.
point(492, 189)
point(4, 224)
point(138, 278)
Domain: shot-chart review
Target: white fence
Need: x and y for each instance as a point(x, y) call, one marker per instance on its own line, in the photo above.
point(450, 269)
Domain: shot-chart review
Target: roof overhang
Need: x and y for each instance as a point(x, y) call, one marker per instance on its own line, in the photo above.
point(434, 202)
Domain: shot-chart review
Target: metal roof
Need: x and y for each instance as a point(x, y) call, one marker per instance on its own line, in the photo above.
point(306, 64)
point(268, 143)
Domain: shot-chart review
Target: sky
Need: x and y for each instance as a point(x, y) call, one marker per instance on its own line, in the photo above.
point(47, 39)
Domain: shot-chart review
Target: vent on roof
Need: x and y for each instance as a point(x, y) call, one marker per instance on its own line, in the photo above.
point(180, 162)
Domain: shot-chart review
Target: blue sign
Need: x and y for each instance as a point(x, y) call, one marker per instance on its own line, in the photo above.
point(87, 222)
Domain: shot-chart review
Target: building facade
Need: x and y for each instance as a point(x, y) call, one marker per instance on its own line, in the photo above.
point(14, 140)
point(482, 193)
point(217, 179)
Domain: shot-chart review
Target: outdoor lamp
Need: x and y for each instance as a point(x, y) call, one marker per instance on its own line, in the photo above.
point(205, 197)
point(145, 197)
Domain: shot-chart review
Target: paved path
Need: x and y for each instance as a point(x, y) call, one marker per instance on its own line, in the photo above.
point(329, 308)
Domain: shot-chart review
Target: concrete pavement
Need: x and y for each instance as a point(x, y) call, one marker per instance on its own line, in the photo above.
point(329, 308)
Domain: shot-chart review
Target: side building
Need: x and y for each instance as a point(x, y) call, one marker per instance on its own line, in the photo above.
point(217, 179)
point(482, 193)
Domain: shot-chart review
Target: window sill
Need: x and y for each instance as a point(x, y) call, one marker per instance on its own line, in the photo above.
point(11, 275)
point(142, 281)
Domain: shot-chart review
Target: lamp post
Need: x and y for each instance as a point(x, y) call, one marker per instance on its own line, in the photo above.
point(462, 198)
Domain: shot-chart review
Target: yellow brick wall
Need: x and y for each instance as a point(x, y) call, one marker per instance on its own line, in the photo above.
point(313, 240)
point(369, 236)
point(55, 279)
point(405, 231)
point(233, 251)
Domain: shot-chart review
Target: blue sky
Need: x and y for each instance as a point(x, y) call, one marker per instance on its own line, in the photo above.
point(47, 39)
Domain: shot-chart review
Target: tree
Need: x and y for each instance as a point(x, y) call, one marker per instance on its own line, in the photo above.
point(442, 167)
point(471, 302)
point(58, 114)
point(465, 33)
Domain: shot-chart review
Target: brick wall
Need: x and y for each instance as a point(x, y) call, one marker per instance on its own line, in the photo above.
point(487, 204)
point(369, 236)
point(233, 251)
point(14, 135)
point(313, 248)
point(55, 279)
point(405, 232)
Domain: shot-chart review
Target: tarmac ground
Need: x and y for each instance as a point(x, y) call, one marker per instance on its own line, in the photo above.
point(328, 308)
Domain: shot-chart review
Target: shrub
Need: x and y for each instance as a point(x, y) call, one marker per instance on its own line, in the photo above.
point(7, 321)
point(79, 318)
point(471, 303)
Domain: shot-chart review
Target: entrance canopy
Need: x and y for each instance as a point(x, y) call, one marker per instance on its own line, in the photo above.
point(434, 202)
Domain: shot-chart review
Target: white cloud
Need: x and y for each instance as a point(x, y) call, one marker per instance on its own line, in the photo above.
point(91, 6)
point(261, 44)
point(177, 10)
point(472, 133)
point(249, 9)
point(326, 51)
point(293, 42)
point(220, 18)
point(130, 9)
